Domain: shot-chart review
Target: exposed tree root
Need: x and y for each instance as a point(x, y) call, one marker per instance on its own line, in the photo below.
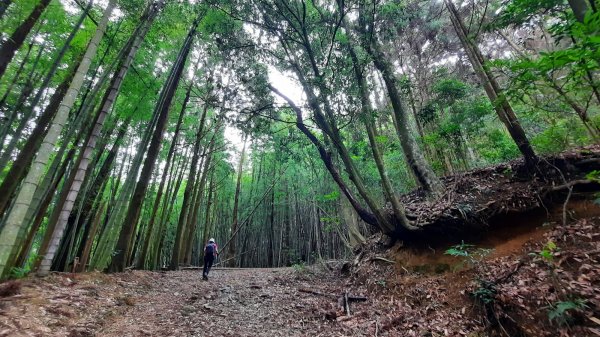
point(472, 199)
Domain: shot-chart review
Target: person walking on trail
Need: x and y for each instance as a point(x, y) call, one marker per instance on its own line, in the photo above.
point(210, 251)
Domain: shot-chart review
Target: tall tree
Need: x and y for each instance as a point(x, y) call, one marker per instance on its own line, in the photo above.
point(11, 235)
point(14, 42)
point(491, 87)
point(236, 205)
point(162, 109)
point(82, 164)
point(414, 156)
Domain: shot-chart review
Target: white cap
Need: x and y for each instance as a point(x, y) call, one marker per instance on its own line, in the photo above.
point(211, 240)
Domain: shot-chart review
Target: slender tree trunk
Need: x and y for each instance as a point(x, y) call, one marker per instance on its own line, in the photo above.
point(188, 194)
point(9, 238)
point(236, 201)
point(579, 7)
point(89, 240)
point(92, 199)
point(146, 243)
point(168, 208)
point(40, 211)
point(162, 110)
point(414, 157)
point(491, 87)
point(84, 159)
point(325, 156)
point(207, 226)
point(14, 42)
point(21, 164)
point(5, 128)
point(367, 117)
point(26, 90)
point(193, 221)
point(185, 205)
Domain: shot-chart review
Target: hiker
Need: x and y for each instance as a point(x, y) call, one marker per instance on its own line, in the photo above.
point(210, 251)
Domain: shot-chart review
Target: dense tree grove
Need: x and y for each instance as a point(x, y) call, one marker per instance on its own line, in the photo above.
point(134, 130)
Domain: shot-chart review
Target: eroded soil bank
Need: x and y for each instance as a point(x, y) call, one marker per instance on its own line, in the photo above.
point(540, 276)
point(514, 291)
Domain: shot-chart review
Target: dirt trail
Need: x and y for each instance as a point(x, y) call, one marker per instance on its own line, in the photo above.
point(411, 298)
point(256, 302)
point(232, 303)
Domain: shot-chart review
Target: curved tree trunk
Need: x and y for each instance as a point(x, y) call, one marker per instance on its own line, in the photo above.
point(367, 117)
point(414, 157)
point(325, 156)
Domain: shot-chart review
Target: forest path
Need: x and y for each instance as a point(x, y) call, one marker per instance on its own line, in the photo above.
point(234, 302)
point(254, 302)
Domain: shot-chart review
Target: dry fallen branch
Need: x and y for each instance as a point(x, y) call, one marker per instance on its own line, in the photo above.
point(350, 297)
point(379, 258)
point(347, 304)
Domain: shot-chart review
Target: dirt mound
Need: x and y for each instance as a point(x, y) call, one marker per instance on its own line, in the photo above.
point(536, 278)
point(553, 289)
point(474, 199)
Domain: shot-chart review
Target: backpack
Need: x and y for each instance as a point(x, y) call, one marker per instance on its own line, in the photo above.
point(210, 249)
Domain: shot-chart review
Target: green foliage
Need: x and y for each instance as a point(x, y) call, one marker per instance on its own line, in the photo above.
point(461, 250)
point(485, 292)
point(562, 312)
point(299, 267)
point(471, 255)
point(560, 136)
point(218, 22)
point(593, 175)
point(547, 252)
point(18, 272)
point(498, 147)
point(450, 90)
point(517, 12)
point(334, 195)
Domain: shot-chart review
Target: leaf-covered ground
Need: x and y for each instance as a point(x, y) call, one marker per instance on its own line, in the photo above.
point(533, 288)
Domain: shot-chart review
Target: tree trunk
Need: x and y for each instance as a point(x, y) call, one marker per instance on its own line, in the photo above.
point(9, 238)
point(367, 117)
point(236, 201)
point(187, 196)
point(492, 89)
point(146, 243)
point(325, 156)
point(83, 161)
point(162, 110)
point(414, 157)
point(579, 7)
point(40, 210)
point(14, 42)
point(167, 208)
point(89, 239)
point(7, 124)
point(19, 167)
point(193, 221)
